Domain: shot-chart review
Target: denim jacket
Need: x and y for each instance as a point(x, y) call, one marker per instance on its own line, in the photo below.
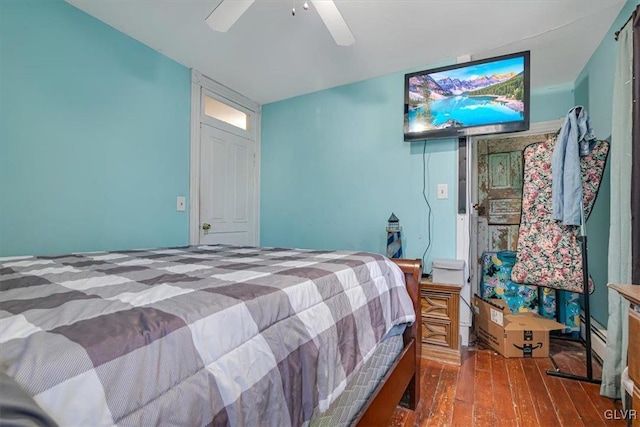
point(576, 138)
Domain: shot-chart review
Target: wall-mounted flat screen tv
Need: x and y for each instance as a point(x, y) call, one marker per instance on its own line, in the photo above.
point(475, 98)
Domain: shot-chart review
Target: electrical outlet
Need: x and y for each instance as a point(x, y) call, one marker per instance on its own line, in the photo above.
point(442, 191)
point(180, 203)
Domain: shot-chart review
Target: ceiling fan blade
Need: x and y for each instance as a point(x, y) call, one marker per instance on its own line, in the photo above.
point(227, 13)
point(334, 21)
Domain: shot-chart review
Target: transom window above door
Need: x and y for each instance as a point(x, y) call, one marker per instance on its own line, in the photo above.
point(226, 113)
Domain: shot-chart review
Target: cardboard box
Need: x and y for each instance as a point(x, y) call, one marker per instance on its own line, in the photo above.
point(512, 335)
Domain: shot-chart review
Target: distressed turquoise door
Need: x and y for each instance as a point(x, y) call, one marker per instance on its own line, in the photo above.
point(500, 191)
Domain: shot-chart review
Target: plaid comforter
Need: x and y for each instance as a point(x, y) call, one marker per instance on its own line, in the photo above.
point(194, 336)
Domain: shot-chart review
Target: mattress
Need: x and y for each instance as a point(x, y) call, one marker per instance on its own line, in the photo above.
point(18, 408)
point(345, 408)
point(207, 335)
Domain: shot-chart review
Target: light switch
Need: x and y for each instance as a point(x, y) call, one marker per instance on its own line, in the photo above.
point(442, 191)
point(180, 203)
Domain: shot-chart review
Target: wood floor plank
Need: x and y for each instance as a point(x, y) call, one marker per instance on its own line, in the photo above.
point(444, 399)
point(603, 405)
point(523, 402)
point(483, 360)
point(463, 408)
point(411, 419)
point(488, 390)
point(562, 401)
point(564, 364)
point(431, 373)
point(502, 395)
point(574, 362)
point(542, 403)
point(483, 410)
point(399, 417)
point(465, 391)
point(573, 358)
point(581, 394)
point(588, 412)
point(462, 414)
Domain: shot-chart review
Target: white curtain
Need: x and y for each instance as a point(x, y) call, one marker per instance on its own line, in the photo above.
point(620, 229)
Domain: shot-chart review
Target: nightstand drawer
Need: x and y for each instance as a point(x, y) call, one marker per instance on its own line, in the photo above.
point(438, 332)
point(437, 304)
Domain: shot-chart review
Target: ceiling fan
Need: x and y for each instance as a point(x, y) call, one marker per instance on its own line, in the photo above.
point(229, 11)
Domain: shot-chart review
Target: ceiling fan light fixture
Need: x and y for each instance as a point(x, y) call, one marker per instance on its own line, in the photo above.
point(228, 12)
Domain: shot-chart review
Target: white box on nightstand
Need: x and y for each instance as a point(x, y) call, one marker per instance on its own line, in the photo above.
point(448, 271)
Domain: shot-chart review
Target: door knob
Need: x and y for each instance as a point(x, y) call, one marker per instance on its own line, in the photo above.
point(480, 209)
point(206, 226)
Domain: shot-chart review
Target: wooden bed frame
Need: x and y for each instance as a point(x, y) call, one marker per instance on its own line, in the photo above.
point(404, 374)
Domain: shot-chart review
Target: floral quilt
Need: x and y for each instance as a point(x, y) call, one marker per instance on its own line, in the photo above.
point(549, 253)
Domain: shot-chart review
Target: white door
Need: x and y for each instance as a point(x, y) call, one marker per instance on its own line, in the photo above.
point(227, 186)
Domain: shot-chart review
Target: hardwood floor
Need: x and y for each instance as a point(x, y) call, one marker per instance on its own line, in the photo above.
point(489, 390)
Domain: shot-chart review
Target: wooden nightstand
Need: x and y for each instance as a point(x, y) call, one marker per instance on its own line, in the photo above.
point(440, 315)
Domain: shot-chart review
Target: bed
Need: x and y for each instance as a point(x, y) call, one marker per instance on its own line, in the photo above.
point(211, 335)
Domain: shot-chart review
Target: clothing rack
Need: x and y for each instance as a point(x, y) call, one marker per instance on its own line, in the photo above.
point(556, 372)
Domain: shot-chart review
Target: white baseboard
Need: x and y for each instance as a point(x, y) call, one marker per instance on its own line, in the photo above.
point(465, 331)
point(598, 337)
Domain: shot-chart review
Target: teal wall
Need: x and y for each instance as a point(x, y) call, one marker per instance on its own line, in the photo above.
point(94, 142)
point(551, 103)
point(594, 90)
point(334, 167)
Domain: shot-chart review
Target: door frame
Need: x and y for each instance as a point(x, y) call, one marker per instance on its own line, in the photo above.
point(472, 190)
point(466, 223)
point(202, 85)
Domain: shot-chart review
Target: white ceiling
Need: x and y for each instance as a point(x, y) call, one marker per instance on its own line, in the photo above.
point(269, 55)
